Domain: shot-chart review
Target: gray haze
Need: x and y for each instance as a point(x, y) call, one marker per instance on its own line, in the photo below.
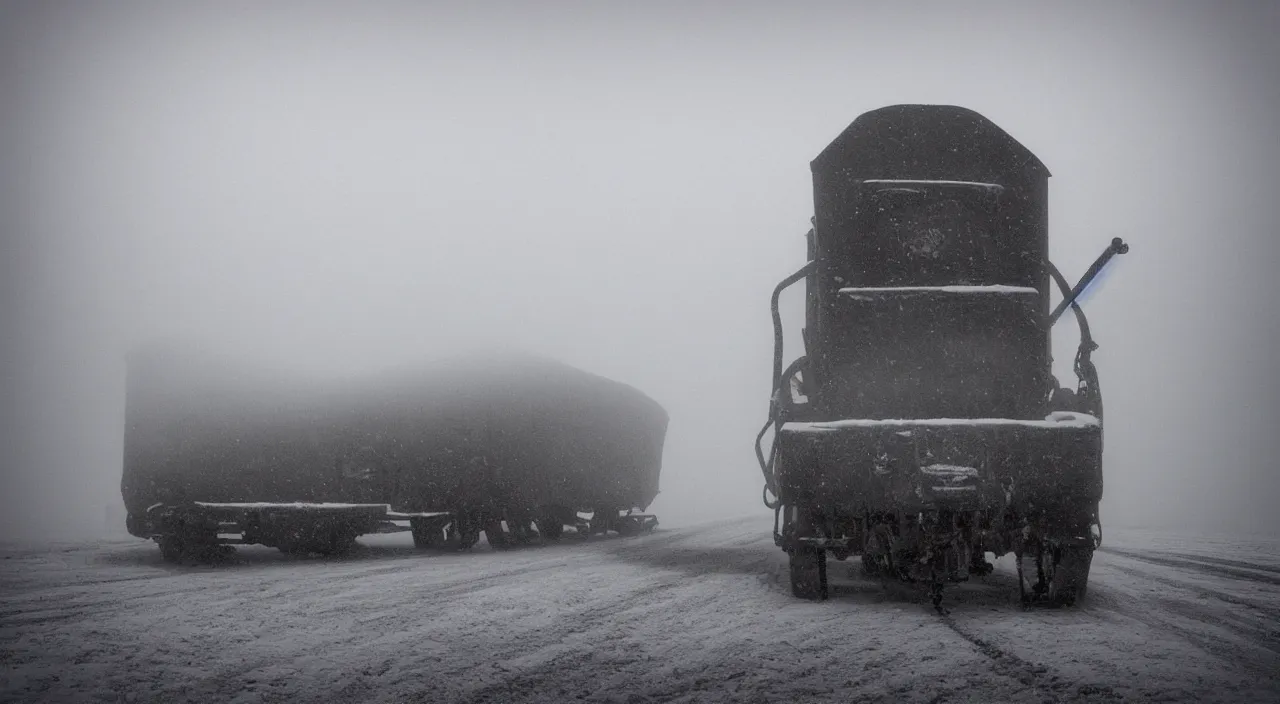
point(617, 187)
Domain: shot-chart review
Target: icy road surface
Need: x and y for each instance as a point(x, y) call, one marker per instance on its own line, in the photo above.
point(695, 614)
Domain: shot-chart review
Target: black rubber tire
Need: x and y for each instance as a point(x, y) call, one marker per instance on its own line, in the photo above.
point(978, 565)
point(521, 533)
point(463, 533)
point(495, 535)
point(550, 528)
point(172, 548)
point(603, 521)
point(809, 573)
point(468, 539)
point(1070, 583)
point(335, 544)
point(192, 549)
point(426, 536)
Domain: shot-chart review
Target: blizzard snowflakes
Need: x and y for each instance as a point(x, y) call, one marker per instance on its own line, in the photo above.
point(339, 194)
point(692, 613)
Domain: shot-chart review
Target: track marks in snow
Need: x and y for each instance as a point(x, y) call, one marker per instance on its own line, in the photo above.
point(701, 613)
point(1038, 677)
point(1215, 567)
point(1226, 562)
point(1269, 610)
point(1207, 619)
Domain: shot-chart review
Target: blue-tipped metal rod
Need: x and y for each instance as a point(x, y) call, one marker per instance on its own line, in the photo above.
point(1117, 246)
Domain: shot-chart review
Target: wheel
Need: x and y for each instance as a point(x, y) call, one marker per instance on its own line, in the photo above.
point(520, 531)
point(177, 548)
point(870, 566)
point(319, 537)
point(464, 532)
point(468, 539)
point(550, 528)
point(172, 548)
point(877, 553)
point(809, 573)
point(425, 535)
point(626, 526)
point(337, 542)
point(495, 535)
point(601, 521)
point(978, 564)
point(1069, 583)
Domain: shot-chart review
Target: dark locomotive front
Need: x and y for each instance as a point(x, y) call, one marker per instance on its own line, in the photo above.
point(929, 429)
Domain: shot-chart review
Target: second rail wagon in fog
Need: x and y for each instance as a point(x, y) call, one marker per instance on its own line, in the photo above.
point(510, 445)
point(923, 426)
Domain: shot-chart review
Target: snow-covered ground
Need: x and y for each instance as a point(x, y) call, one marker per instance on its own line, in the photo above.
point(700, 613)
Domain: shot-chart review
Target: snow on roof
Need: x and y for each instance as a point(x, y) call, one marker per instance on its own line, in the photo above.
point(907, 183)
point(1053, 420)
point(296, 505)
point(996, 288)
point(954, 470)
point(402, 515)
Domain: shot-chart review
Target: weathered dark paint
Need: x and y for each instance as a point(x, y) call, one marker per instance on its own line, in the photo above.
point(502, 431)
point(927, 303)
point(1018, 467)
point(861, 239)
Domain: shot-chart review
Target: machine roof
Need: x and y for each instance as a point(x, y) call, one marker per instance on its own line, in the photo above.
point(927, 142)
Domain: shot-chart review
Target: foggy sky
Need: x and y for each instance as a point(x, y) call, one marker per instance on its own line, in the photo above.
point(346, 188)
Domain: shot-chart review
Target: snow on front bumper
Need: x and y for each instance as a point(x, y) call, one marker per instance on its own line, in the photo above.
point(917, 464)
